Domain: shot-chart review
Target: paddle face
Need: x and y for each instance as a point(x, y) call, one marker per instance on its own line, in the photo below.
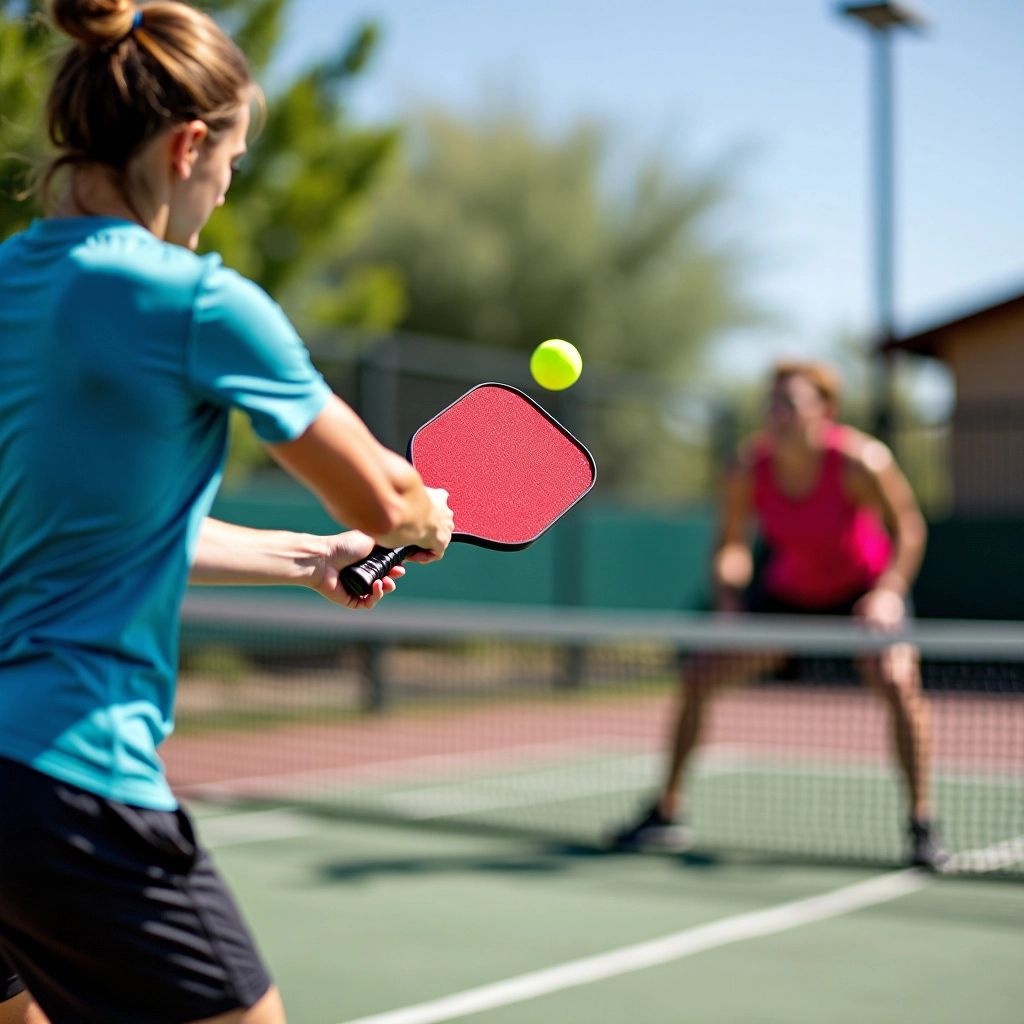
point(509, 468)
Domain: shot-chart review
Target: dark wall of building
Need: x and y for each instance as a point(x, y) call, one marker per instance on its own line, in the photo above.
point(974, 569)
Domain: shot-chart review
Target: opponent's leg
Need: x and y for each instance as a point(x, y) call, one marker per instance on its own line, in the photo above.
point(662, 825)
point(895, 675)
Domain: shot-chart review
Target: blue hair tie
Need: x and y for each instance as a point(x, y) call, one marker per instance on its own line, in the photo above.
point(137, 20)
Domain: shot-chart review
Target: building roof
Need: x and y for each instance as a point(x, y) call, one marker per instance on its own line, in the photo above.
point(930, 342)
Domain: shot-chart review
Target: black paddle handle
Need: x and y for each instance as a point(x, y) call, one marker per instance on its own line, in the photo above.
point(359, 578)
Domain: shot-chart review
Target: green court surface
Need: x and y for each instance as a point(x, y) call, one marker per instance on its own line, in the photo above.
point(407, 925)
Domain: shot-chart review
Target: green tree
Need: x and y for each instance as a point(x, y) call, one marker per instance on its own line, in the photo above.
point(305, 183)
point(303, 187)
point(26, 47)
point(506, 237)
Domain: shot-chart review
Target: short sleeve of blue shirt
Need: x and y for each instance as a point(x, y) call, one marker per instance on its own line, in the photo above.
point(244, 353)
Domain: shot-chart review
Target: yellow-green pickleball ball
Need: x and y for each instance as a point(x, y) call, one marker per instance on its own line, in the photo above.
point(556, 364)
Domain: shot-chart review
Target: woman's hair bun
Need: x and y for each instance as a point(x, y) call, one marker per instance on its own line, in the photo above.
point(135, 69)
point(94, 22)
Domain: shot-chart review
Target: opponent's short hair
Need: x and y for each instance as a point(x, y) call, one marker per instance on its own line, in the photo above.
point(823, 376)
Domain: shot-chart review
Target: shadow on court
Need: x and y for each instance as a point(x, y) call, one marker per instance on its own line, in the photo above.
point(548, 859)
point(563, 859)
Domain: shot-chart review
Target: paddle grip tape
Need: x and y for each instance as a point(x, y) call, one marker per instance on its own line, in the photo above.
point(359, 578)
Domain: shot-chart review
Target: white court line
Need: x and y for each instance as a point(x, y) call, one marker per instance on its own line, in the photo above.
point(497, 760)
point(252, 827)
point(278, 823)
point(442, 801)
point(991, 858)
point(680, 944)
point(556, 758)
point(473, 796)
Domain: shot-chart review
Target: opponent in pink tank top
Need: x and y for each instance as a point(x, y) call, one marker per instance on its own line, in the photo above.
point(824, 549)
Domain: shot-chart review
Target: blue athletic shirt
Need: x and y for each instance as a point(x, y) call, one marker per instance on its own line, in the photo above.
point(120, 359)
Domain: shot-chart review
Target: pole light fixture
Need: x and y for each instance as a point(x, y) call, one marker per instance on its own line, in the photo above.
point(882, 20)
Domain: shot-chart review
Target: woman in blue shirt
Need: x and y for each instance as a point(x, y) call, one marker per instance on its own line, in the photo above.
point(122, 354)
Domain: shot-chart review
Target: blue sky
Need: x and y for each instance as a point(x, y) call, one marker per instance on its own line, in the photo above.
point(785, 82)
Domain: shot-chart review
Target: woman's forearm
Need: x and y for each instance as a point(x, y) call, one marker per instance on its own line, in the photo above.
point(230, 554)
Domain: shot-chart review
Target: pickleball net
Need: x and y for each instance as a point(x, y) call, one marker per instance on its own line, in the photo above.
point(554, 724)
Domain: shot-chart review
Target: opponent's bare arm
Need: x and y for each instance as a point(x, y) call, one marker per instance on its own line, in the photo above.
point(733, 563)
point(873, 477)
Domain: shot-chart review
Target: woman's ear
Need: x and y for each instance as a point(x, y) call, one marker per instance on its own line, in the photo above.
point(185, 143)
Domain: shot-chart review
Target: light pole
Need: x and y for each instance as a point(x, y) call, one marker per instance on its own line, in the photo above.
point(881, 19)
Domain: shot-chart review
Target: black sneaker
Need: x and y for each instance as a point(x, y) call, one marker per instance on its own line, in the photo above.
point(654, 832)
point(926, 851)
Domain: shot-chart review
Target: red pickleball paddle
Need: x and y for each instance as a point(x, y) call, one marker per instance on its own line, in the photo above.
point(510, 470)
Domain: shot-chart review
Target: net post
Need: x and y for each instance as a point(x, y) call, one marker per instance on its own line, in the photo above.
point(376, 698)
point(573, 669)
point(570, 563)
point(725, 434)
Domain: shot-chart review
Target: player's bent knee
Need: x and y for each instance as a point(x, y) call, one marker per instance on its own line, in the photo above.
point(895, 673)
point(712, 671)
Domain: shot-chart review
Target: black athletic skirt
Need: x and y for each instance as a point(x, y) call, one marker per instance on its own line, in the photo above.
point(113, 914)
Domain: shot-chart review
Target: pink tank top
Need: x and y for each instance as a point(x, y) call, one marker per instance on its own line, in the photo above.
point(823, 548)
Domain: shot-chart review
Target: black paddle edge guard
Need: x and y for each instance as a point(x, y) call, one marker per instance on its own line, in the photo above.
point(358, 579)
